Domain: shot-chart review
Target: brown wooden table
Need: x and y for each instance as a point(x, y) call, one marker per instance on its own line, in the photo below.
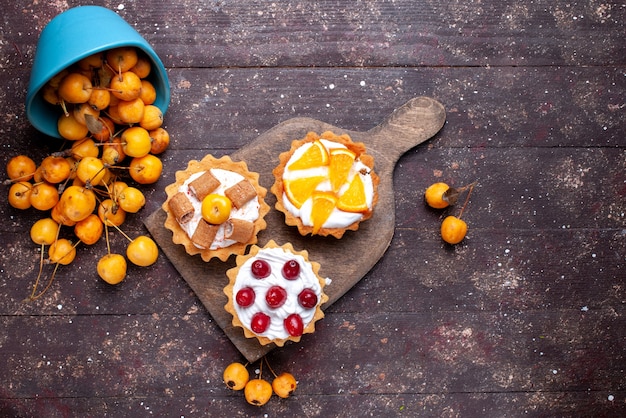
point(524, 318)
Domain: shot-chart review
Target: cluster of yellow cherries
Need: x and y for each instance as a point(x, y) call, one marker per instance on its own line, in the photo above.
point(114, 133)
point(258, 391)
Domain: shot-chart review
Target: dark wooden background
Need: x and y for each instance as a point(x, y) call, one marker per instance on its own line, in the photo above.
point(524, 318)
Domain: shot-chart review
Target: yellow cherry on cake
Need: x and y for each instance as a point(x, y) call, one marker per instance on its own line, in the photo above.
point(215, 208)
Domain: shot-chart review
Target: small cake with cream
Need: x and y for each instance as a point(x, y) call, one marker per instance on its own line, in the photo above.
point(325, 184)
point(215, 208)
point(275, 294)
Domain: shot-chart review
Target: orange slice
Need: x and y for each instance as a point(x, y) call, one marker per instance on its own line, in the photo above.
point(353, 200)
point(299, 190)
point(315, 156)
point(341, 160)
point(323, 205)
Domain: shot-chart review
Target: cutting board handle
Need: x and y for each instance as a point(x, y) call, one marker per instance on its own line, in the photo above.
point(409, 125)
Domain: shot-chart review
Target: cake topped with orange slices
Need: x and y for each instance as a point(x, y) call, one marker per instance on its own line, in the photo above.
point(325, 184)
point(215, 208)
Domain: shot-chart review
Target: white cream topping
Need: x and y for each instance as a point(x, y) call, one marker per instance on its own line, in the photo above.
point(338, 218)
point(276, 258)
point(248, 212)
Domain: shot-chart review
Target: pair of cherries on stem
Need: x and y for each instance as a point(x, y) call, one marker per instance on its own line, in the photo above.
point(439, 196)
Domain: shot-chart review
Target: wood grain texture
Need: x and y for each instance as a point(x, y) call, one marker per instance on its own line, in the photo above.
point(525, 318)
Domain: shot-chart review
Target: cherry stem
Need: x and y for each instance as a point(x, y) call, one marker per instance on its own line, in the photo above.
point(268, 366)
point(122, 232)
point(64, 107)
point(43, 247)
point(106, 236)
point(116, 72)
point(56, 267)
point(20, 178)
point(56, 237)
point(471, 188)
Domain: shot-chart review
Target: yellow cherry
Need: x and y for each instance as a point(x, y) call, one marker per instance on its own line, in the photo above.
point(284, 385)
point(453, 230)
point(258, 392)
point(112, 268)
point(236, 376)
point(216, 208)
point(142, 251)
point(434, 195)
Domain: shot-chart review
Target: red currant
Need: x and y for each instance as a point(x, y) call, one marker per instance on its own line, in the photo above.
point(291, 270)
point(275, 297)
point(261, 269)
point(307, 299)
point(259, 322)
point(293, 325)
point(245, 297)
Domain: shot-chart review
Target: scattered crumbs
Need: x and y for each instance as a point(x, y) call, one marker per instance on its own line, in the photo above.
point(184, 84)
point(506, 251)
point(554, 371)
point(331, 86)
point(120, 6)
point(584, 309)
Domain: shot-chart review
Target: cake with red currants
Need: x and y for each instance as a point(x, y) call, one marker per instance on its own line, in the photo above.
point(215, 208)
point(275, 294)
point(325, 184)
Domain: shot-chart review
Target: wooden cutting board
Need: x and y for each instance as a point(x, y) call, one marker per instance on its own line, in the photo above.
point(344, 261)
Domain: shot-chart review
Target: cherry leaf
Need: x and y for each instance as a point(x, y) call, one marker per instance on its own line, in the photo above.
point(93, 124)
point(451, 195)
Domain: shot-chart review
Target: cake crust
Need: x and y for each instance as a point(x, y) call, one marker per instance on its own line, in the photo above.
point(278, 187)
point(179, 236)
point(230, 305)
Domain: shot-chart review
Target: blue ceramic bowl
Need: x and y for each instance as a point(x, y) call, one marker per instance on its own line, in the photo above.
point(72, 36)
